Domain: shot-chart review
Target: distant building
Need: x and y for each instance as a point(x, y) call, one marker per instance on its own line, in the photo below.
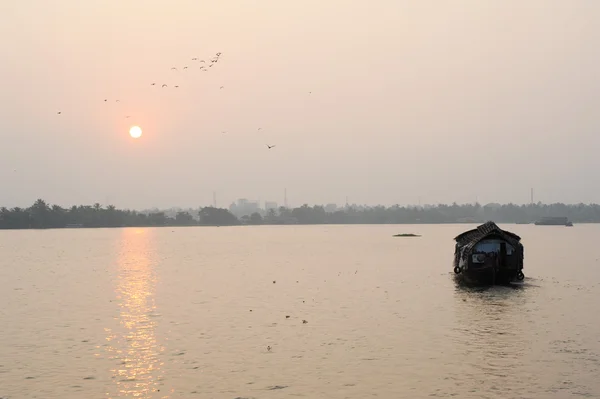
point(270, 205)
point(244, 207)
point(492, 206)
point(330, 208)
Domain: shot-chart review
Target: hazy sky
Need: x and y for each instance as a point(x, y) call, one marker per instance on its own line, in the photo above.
point(443, 100)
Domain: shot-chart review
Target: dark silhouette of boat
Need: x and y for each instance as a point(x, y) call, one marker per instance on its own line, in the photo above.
point(488, 255)
point(553, 221)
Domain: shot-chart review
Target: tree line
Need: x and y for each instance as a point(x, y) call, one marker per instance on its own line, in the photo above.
point(42, 215)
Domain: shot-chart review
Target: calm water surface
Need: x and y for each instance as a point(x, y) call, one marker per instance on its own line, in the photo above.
point(190, 312)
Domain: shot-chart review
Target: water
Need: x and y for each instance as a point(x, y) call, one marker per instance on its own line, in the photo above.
point(190, 312)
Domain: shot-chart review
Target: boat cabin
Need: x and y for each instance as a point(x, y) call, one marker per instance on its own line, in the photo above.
point(489, 253)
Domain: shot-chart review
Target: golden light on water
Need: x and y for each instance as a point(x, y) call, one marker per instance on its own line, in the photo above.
point(133, 346)
point(135, 132)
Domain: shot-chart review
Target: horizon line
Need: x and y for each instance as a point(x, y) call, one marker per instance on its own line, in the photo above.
point(324, 205)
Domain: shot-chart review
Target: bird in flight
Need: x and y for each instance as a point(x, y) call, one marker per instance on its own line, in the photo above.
point(164, 85)
point(173, 69)
point(260, 128)
point(127, 117)
point(176, 86)
point(202, 61)
point(59, 112)
point(152, 84)
point(105, 100)
point(185, 67)
point(195, 59)
point(118, 101)
point(223, 132)
point(218, 54)
point(222, 87)
point(270, 146)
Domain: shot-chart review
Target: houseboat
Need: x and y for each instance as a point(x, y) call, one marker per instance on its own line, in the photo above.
point(553, 221)
point(488, 255)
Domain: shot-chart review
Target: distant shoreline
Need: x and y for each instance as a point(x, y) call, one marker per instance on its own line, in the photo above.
point(41, 215)
point(275, 224)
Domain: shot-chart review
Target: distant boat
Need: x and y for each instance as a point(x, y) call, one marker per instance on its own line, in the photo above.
point(523, 222)
point(569, 224)
point(552, 221)
point(488, 255)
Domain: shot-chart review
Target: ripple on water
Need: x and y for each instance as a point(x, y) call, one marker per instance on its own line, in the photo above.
point(172, 313)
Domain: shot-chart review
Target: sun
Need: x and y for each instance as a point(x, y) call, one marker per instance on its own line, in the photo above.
point(135, 132)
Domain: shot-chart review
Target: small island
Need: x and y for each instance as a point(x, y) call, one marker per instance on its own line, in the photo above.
point(406, 235)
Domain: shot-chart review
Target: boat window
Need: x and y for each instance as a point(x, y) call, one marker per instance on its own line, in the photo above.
point(478, 258)
point(489, 246)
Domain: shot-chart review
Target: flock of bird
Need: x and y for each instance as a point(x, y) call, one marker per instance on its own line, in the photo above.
point(202, 65)
point(212, 62)
point(204, 68)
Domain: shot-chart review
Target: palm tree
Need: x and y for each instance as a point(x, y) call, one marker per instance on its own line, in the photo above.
point(40, 212)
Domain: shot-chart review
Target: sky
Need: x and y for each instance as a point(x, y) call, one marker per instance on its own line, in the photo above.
point(383, 102)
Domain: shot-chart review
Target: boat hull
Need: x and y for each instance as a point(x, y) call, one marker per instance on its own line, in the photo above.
point(553, 221)
point(488, 276)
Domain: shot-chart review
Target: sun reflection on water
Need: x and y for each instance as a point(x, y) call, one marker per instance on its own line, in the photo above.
point(133, 345)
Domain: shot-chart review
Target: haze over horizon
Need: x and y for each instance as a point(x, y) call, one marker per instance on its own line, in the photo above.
point(384, 102)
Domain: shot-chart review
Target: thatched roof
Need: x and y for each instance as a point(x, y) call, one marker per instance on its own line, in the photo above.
point(472, 237)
